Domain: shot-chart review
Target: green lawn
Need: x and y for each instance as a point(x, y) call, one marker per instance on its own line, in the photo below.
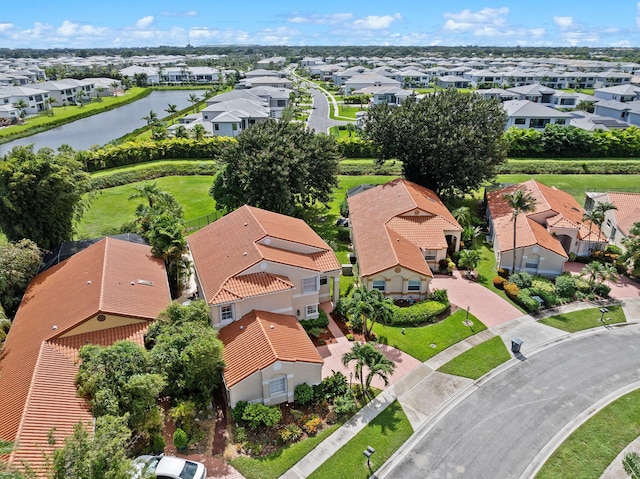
point(426, 341)
point(585, 319)
point(111, 207)
point(386, 433)
point(479, 360)
point(275, 465)
point(593, 446)
point(148, 165)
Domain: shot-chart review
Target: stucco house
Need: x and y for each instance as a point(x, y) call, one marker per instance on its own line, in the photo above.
point(527, 114)
point(253, 259)
point(545, 236)
point(400, 231)
point(107, 292)
point(618, 222)
point(266, 356)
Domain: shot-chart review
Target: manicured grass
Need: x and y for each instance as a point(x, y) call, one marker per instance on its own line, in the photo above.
point(577, 184)
point(111, 207)
point(278, 463)
point(386, 433)
point(585, 319)
point(147, 165)
point(593, 446)
point(487, 270)
point(418, 341)
point(479, 360)
point(67, 114)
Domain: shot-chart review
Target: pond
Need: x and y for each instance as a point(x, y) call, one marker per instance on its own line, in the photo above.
point(104, 127)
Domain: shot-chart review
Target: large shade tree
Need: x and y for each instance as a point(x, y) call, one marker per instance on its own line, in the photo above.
point(19, 262)
point(42, 195)
point(277, 166)
point(519, 201)
point(448, 141)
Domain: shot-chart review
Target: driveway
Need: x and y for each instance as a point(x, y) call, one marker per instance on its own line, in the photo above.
point(622, 288)
point(484, 304)
point(506, 427)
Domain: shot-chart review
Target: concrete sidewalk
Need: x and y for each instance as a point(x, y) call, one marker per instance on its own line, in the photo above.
point(426, 394)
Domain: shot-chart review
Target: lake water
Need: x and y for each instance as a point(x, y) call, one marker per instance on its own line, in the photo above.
point(104, 127)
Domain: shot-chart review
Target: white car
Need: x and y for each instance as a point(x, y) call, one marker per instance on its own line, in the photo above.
point(169, 467)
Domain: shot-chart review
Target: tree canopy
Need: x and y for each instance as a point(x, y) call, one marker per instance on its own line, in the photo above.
point(41, 195)
point(278, 166)
point(448, 141)
point(19, 262)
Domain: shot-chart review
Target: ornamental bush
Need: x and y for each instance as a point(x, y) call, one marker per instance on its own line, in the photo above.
point(303, 394)
point(439, 295)
point(522, 280)
point(565, 286)
point(419, 313)
point(499, 282)
point(258, 414)
point(290, 433)
point(180, 439)
point(512, 290)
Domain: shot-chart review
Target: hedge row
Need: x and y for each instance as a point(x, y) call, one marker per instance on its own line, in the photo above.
point(152, 172)
point(559, 167)
point(370, 168)
point(419, 313)
point(572, 142)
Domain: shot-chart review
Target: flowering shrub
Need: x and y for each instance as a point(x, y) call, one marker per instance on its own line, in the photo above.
point(499, 282)
point(512, 290)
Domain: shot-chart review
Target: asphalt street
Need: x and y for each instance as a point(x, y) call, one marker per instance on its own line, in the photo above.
point(500, 429)
point(319, 120)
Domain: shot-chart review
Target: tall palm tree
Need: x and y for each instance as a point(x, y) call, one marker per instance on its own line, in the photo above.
point(602, 209)
point(593, 218)
point(520, 201)
point(378, 365)
point(22, 106)
point(597, 272)
point(171, 109)
point(50, 101)
point(151, 118)
point(115, 85)
point(367, 356)
point(193, 99)
point(198, 132)
point(368, 306)
point(99, 92)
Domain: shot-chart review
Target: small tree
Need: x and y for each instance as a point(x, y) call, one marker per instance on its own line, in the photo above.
point(469, 259)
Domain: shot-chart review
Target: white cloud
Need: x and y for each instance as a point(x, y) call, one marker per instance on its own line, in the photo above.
point(564, 23)
point(5, 27)
point(145, 22)
point(466, 20)
point(330, 19)
point(376, 22)
point(170, 13)
point(205, 34)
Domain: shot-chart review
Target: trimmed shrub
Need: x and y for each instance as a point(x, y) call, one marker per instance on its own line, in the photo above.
point(349, 337)
point(303, 394)
point(522, 280)
point(157, 444)
point(499, 282)
point(613, 249)
point(602, 289)
point(257, 414)
point(503, 273)
point(439, 295)
point(346, 404)
point(565, 286)
point(180, 439)
point(525, 300)
point(512, 290)
point(419, 313)
point(334, 386)
point(549, 298)
point(343, 234)
point(238, 411)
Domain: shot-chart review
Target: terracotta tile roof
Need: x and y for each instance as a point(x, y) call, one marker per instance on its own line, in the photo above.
point(385, 226)
point(95, 280)
point(261, 338)
point(249, 235)
point(248, 285)
point(546, 240)
point(628, 211)
point(53, 401)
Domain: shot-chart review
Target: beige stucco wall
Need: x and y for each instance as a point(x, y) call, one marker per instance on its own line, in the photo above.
point(255, 388)
point(276, 302)
point(397, 283)
point(550, 264)
point(93, 324)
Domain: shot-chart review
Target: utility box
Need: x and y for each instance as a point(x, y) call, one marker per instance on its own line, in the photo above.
point(516, 344)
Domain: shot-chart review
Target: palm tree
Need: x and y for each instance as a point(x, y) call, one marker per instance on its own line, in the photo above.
point(193, 99)
point(520, 201)
point(181, 132)
point(632, 248)
point(602, 209)
point(22, 106)
point(99, 92)
point(368, 306)
point(50, 101)
point(469, 259)
point(115, 86)
point(151, 118)
point(79, 97)
point(462, 215)
point(171, 109)
point(597, 272)
point(366, 355)
point(592, 217)
point(198, 131)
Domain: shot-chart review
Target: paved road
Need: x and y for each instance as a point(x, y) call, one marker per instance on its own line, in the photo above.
point(319, 120)
point(498, 430)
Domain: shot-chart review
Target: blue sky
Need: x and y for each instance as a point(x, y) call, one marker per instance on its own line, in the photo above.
point(118, 23)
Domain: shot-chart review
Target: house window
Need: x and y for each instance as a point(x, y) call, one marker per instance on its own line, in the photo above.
point(380, 285)
point(430, 255)
point(561, 121)
point(234, 126)
point(311, 310)
point(226, 312)
point(414, 285)
point(532, 262)
point(216, 126)
point(310, 285)
point(278, 387)
point(539, 122)
point(613, 234)
point(324, 280)
point(520, 121)
point(609, 223)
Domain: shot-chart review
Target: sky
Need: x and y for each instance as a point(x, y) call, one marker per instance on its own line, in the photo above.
point(131, 23)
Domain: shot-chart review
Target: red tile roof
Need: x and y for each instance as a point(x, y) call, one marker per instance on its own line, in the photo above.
point(248, 285)
point(628, 211)
point(96, 280)
point(247, 236)
point(261, 338)
point(388, 232)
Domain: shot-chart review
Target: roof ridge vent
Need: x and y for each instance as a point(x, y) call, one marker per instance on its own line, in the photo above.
point(145, 282)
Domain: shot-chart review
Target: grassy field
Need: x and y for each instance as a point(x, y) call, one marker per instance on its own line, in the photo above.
point(386, 433)
point(111, 207)
point(585, 319)
point(426, 341)
point(590, 449)
point(479, 360)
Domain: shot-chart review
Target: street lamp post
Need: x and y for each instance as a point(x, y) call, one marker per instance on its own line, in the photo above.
point(603, 311)
point(367, 453)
